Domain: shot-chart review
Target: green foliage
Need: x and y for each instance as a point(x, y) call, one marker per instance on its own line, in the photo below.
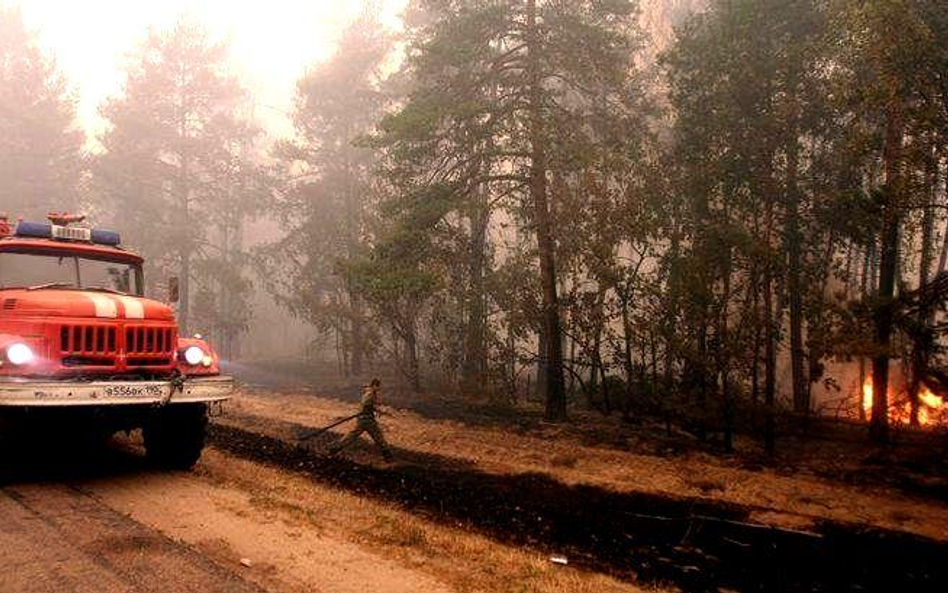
point(460, 151)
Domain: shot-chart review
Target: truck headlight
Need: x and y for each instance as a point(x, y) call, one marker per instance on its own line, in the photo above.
point(19, 354)
point(193, 355)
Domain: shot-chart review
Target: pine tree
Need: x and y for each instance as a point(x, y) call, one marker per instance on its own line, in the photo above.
point(500, 93)
point(752, 121)
point(326, 205)
point(889, 59)
point(41, 144)
point(177, 156)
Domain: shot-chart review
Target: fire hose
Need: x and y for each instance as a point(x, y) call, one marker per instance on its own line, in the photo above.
point(316, 432)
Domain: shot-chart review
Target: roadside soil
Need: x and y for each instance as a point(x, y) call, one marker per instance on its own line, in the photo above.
point(105, 521)
point(448, 553)
point(57, 538)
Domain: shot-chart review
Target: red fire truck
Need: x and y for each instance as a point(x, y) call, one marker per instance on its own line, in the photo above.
point(82, 351)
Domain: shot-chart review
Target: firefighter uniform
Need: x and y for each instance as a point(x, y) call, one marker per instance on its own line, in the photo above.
point(366, 422)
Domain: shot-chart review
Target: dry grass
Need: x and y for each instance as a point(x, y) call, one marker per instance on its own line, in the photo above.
point(396, 531)
point(553, 451)
point(465, 561)
point(567, 460)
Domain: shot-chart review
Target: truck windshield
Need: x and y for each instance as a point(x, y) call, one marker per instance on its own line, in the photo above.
point(33, 270)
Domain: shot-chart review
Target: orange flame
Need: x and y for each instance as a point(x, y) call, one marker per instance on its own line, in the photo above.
point(931, 408)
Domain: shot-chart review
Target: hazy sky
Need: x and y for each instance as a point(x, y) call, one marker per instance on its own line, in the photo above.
point(272, 41)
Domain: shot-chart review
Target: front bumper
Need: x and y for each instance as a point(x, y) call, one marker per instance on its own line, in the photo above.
point(32, 393)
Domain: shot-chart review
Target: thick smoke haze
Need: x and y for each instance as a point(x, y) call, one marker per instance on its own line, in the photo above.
point(271, 43)
point(620, 203)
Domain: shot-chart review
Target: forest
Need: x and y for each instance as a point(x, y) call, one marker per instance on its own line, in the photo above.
point(549, 201)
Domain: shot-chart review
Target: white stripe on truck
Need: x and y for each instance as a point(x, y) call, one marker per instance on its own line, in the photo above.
point(133, 307)
point(104, 306)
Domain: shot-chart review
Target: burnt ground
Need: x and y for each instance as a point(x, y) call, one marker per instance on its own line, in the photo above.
point(696, 545)
point(915, 462)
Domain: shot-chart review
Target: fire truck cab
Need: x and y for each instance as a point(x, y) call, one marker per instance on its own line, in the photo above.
point(83, 351)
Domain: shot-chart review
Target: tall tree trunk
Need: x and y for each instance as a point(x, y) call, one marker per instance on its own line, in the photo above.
point(723, 364)
point(943, 257)
point(702, 298)
point(542, 359)
point(596, 354)
point(864, 289)
point(702, 368)
point(925, 264)
point(723, 351)
point(351, 212)
point(627, 362)
point(888, 268)
point(230, 245)
point(593, 383)
point(671, 315)
point(223, 343)
point(342, 361)
point(758, 341)
point(411, 346)
point(770, 364)
point(816, 353)
point(475, 347)
point(357, 346)
point(848, 271)
point(603, 380)
point(555, 395)
point(770, 340)
point(653, 357)
point(185, 247)
point(511, 364)
point(801, 403)
point(406, 333)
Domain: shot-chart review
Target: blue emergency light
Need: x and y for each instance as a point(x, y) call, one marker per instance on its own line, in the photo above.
point(36, 230)
point(103, 237)
point(39, 230)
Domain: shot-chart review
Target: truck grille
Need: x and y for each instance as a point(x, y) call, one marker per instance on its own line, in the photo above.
point(86, 340)
point(100, 345)
point(147, 341)
point(149, 346)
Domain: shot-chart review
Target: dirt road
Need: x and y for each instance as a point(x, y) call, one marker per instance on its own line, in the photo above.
point(103, 520)
point(112, 524)
point(58, 537)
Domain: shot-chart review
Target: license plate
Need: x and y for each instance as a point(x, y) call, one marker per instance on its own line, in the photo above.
point(133, 391)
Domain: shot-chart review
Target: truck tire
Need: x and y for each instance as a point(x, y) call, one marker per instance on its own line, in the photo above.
point(175, 435)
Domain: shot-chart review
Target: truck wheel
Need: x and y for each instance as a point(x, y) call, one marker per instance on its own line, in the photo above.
point(175, 434)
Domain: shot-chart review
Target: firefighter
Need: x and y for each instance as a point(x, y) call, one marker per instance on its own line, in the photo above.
point(366, 422)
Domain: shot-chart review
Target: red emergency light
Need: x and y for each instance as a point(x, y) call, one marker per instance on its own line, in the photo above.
point(64, 218)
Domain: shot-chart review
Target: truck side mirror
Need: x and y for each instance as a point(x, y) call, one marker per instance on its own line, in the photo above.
point(174, 289)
